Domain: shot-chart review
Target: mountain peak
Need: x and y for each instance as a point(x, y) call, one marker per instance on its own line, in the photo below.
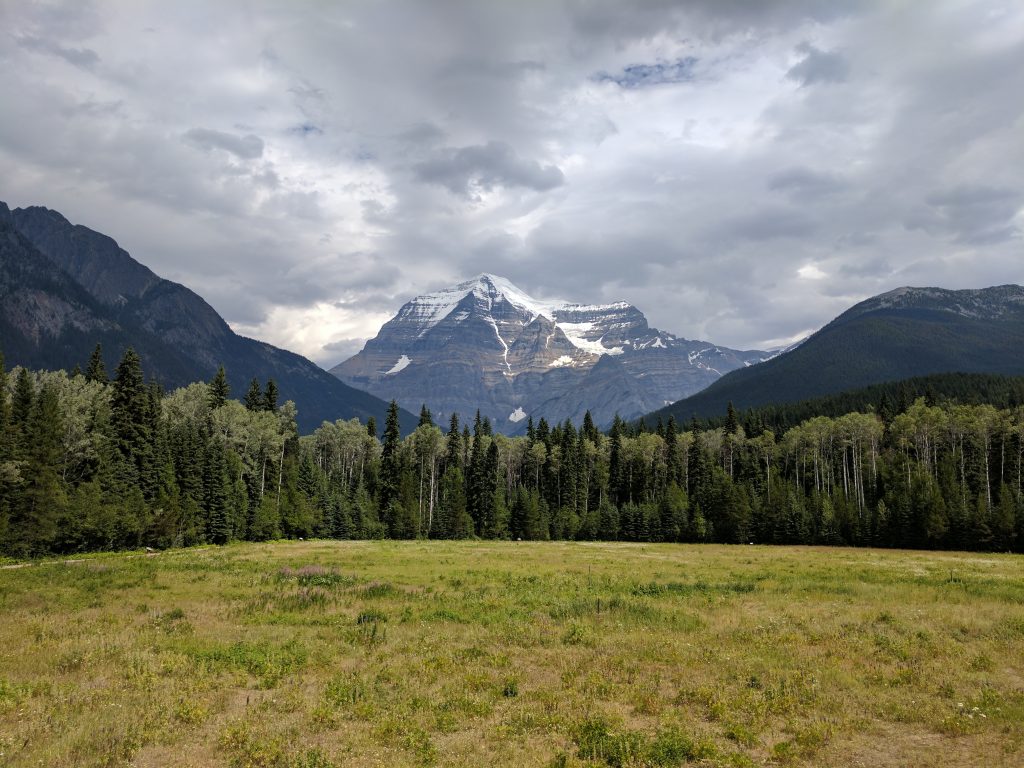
point(426, 311)
point(992, 302)
point(486, 343)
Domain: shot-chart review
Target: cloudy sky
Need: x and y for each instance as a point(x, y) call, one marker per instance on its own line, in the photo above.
point(741, 171)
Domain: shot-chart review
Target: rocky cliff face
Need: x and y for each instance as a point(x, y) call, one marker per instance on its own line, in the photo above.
point(486, 344)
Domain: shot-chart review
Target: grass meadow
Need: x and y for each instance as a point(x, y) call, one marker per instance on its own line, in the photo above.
point(315, 654)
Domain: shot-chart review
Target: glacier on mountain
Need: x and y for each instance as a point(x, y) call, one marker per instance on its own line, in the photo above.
point(401, 365)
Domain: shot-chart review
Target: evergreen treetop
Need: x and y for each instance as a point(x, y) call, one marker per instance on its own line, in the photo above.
point(96, 370)
point(254, 400)
point(271, 396)
point(219, 389)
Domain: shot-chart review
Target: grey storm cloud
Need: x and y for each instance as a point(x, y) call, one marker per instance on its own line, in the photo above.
point(246, 147)
point(819, 66)
point(79, 57)
point(973, 214)
point(487, 166)
point(805, 182)
point(742, 172)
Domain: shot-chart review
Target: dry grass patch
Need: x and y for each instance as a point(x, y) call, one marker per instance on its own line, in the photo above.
point(315, 654)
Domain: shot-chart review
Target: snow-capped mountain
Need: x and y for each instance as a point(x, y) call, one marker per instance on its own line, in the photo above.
point(487, 344)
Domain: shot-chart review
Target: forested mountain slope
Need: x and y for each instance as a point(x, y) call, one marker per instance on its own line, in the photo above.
point(897, 335)
point(64, 288)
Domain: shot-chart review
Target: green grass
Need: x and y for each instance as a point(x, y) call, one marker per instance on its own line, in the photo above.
point(323, 654)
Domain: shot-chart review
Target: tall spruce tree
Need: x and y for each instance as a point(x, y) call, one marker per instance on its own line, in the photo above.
point(96, 370)
point(426, 420)
point(219, 390)
point(731, 422)
point(615, 469)
point(476, 479)
point(489, 503)
point(271, 396)
point(254, 396)
point(453, 521)
point(218, 528)
point(453, 444)
point(5, 415)
point(390, 466)
point(131, 413)
point(23, 399)
point(33, 524)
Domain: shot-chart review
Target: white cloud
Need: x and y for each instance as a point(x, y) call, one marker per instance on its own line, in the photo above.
point(811, 272)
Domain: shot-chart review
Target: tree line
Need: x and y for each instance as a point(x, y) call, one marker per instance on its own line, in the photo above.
point(886, 399)
point(91, 462)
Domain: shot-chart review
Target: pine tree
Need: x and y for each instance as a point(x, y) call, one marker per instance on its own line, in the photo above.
point(524, 516)
point(390, 466)
point(23, 399)
point(467, 445)
point(96, 370)
point(453, 521)
point(149, 471)
point(543, 433)
point(218, 529)
point(131, 419)
point(615, 471)
point(476, 493)
point(885, 411)
point(254, 397)
point(731, 423)
point(453, 444)
point(672, 463)
point(426, 420)
point(270, 396)
point(219, 389)
point(488, 492)
point(33, 524)
point(698, 472)
point(6, 454)
point(5, 415)
point(371, 427)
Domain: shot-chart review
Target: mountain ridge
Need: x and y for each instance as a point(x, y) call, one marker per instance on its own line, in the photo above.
point(900, 334)
point(77, 287)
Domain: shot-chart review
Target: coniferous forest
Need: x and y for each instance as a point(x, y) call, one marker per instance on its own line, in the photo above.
point(101, 461)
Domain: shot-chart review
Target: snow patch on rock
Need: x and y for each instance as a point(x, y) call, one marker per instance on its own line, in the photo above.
point(401, 365)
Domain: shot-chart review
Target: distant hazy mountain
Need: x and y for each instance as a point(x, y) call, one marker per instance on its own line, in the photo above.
point(486, 344)
point(64, 287)
point(904, 333)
